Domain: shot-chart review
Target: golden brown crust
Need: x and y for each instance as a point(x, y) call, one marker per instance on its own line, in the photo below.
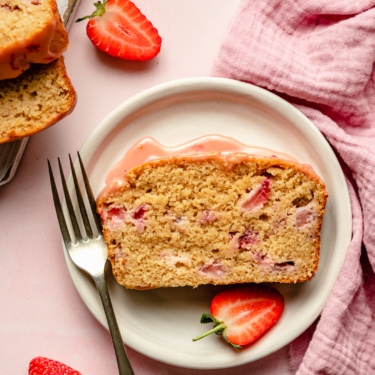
point(60, 41)
point(183, 221)
point(37, 99)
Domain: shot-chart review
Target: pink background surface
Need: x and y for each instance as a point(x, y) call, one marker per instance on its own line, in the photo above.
point(41, 312)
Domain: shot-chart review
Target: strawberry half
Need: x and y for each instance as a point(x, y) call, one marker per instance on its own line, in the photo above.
point(118, 28)
point(45, 366)
point(243, 314)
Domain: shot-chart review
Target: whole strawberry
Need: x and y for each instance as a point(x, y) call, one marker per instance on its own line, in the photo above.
point(118, 28)
point(45, 366)
point(243, 314)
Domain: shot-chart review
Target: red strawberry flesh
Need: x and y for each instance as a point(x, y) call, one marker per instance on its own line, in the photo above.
point(243, 314)
point(249, 238)
point(120, 29)
point(258, 197)
point(46, 366)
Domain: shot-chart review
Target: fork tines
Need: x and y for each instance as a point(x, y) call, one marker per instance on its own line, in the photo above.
point(82, 208)
point(90, 253)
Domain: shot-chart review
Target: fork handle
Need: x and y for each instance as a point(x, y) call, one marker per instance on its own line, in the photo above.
point(123, 363)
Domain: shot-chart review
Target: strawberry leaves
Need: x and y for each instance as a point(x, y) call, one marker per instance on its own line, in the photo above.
point(219, 328)
point(100, 9)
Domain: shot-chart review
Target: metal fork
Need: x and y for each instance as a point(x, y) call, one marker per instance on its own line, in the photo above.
point(88, 250)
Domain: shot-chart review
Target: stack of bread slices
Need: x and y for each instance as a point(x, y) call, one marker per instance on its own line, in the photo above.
point(35, 90)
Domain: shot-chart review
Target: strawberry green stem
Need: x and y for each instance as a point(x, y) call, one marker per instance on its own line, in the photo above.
point(100, 10)
point(217, 329)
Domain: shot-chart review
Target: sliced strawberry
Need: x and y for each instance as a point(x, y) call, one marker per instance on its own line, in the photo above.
point(249, 238)
point(139, 212)
point(45, 366)
point(258, 196)
point(305, 215)
point(243, 314)
point(118, 28)
point(212, 268)
point(113, 213)
point(208, 216)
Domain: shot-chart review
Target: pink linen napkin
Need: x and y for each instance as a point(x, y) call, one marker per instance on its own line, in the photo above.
point(319, 55)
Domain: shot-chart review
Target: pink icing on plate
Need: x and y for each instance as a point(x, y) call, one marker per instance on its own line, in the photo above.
point(148, 148)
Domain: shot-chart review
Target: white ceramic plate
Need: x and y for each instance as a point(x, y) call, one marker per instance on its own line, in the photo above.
point(161, 323)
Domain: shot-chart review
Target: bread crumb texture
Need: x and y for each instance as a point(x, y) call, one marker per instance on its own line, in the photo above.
point(37, 99)
point(183, 222)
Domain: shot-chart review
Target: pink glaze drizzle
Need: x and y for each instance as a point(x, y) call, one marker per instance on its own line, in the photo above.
point(209, 147)
point(148, 148)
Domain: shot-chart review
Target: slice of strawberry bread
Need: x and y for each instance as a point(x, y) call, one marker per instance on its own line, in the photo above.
point(213, 219)
point(31, 31)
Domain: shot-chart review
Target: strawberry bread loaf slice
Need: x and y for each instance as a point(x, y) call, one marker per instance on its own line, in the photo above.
point(213, 219)
point(37, 99)
point(30, 32)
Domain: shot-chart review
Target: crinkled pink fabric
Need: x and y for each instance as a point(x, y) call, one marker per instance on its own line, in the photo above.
point(319, 55)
